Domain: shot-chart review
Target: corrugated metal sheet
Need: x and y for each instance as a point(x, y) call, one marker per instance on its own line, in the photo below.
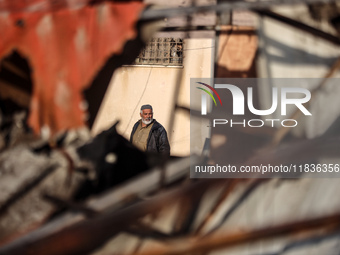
point(66, 43)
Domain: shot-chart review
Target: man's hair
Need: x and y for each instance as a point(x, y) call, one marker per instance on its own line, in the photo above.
point(141, 111)
point(146, 106)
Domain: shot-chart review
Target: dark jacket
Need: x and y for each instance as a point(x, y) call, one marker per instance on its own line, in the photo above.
point(157, 140)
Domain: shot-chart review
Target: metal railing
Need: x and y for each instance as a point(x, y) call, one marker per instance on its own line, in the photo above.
point(162, 51)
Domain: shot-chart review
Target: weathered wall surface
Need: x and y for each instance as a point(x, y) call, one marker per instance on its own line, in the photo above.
point(287, 52)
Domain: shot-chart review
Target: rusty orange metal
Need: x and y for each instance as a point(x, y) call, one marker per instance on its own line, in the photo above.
point(66, 44)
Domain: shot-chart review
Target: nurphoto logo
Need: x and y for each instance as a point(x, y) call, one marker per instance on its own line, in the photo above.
point(264, 127)
point(279, 96)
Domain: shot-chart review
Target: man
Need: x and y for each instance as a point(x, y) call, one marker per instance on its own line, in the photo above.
point(149, 135)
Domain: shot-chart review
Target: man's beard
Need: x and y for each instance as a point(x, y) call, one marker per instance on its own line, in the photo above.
point(146, 121)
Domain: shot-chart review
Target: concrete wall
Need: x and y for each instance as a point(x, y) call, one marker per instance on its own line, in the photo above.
point(134, 86)
point(286, 52)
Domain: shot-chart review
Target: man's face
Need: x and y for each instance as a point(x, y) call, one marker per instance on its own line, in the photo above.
point(147, 115)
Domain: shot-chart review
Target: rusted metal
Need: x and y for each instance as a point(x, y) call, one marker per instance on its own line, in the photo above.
point(43, 5)
point(113, 201)
point(225, 240)
point(79, 238)
point(65, 47)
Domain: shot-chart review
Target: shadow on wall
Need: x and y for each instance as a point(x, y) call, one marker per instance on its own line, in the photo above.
point(224, 72)
point(294, 56)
